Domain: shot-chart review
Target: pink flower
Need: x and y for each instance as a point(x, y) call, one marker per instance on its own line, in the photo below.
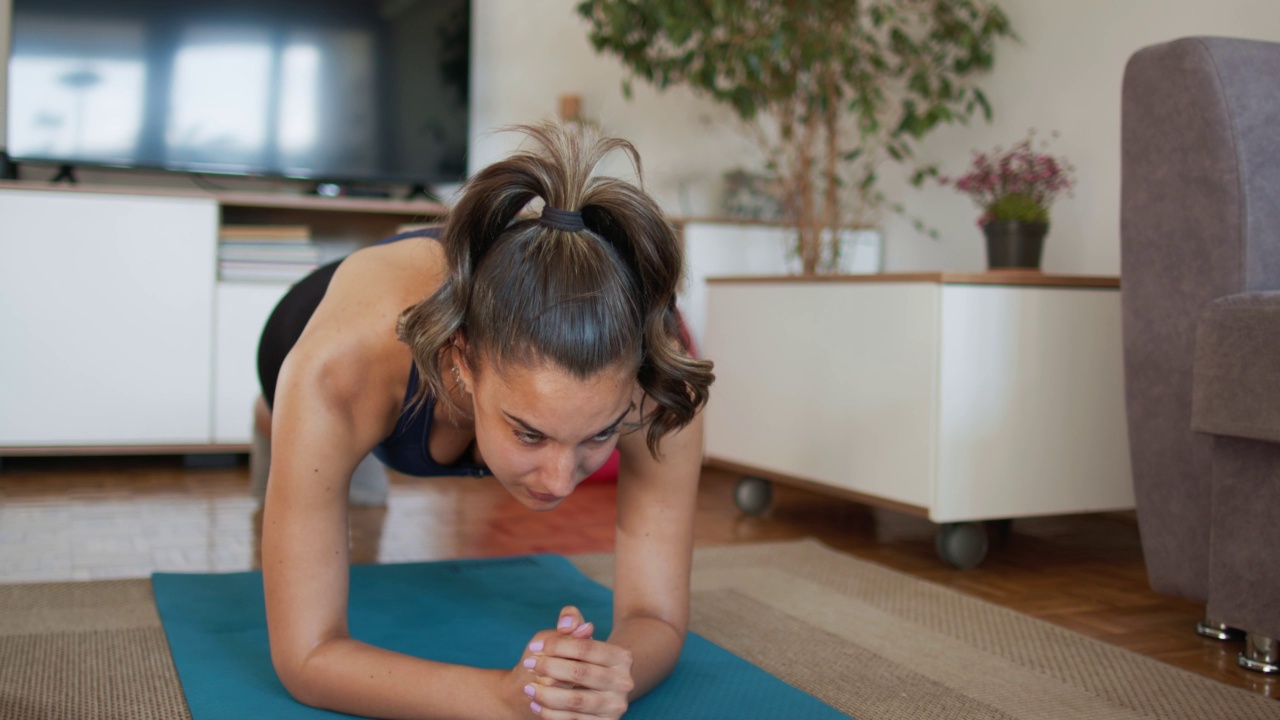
point(1038, 177)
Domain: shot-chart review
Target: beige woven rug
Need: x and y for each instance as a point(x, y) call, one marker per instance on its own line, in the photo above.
point(875, 643)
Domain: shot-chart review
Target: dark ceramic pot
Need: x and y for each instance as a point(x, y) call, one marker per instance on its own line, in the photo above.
point(1013, 244)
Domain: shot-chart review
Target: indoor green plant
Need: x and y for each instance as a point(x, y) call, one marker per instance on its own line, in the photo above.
point(1015, 189)
point(829, 89)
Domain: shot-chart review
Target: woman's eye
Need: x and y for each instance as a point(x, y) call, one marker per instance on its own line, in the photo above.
point(604, 436)
point(528, 438)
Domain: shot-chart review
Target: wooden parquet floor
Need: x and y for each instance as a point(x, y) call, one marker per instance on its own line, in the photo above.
point(87, 518)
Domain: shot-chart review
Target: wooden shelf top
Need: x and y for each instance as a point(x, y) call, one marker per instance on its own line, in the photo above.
point(316, 202)
point(233, 198)
point(995, 277)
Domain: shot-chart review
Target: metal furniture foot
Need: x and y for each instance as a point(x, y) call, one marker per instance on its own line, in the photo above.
point(962, 545)
point(1261, 654)
point(1215, 630)
point(753, 495)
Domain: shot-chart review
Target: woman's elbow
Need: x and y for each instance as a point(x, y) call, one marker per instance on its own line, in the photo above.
point(296, 671)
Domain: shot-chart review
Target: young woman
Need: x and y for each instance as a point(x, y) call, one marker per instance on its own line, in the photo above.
point(534, 342)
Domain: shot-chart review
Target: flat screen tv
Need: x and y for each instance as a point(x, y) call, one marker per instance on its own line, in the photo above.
point(332, 90)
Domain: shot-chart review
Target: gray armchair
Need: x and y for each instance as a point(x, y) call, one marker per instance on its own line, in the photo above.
point(1200, 268)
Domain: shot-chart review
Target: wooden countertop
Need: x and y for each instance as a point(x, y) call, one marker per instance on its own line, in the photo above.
point(995, 277)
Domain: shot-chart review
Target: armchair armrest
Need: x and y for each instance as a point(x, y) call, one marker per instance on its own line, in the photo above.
point(1236, 378)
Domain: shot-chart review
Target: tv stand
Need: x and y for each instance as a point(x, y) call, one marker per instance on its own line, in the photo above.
point(424, 191)
point(187, 390)
point(8, 168)
point(65, 172)
point(350, 190)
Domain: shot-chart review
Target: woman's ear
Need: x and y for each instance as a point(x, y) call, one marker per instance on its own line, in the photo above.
point(458, 357)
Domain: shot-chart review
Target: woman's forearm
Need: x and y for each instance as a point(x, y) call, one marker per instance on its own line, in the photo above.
point(349, 676)
point(655, 647)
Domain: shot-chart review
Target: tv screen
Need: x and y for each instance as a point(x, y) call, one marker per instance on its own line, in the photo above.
point(335, 90)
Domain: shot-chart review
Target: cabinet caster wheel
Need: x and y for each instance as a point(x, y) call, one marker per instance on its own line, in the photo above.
point(753, 495)
point(962, 545)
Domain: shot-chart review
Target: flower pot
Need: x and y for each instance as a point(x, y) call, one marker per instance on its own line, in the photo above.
point(1014, 244)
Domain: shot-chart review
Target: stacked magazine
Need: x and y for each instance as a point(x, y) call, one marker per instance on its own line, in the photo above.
point(266, 253)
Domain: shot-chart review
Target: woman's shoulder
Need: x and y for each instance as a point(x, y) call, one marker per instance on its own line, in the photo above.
point(374, 285)
point(400, 272)
point(352, 335)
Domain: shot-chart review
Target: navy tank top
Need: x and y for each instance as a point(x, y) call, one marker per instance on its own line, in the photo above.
point(406, 449)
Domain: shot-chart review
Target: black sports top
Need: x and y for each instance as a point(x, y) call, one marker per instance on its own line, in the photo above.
point(406, 450)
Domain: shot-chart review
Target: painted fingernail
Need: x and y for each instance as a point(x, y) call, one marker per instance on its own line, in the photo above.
point(528, 689)
point(530, 663)
point(536, 708)
point(565, 622)
point(536, 646)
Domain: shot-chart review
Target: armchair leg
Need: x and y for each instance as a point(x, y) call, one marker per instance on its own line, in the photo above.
point(1261, 654)
point(1215, 630)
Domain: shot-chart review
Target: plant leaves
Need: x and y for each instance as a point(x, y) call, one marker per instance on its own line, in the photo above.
point(807, 76)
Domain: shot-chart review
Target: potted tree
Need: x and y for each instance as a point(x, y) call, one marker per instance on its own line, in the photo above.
point(828, 89)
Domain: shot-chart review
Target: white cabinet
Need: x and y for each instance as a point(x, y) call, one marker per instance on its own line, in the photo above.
point(106, 318)
point(241, 310)
point(957, 397)
point(725, 248)
point(115, 335)
point(719, 249)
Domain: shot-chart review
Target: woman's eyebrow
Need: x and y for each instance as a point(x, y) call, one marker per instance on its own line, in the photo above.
point(522, 423)
point(529, 428)
point(614, 425)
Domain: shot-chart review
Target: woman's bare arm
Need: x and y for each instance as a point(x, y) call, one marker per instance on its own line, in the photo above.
point(331, 407)
point(657, 499)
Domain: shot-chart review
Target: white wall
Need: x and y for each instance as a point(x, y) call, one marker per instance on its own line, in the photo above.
point(1065, 75)
point(529, 52)
point(6, 12)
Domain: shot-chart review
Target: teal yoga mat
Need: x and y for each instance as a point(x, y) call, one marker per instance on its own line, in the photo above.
point(471, 612)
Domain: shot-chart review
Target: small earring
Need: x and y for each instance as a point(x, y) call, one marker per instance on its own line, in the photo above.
point(457, 378)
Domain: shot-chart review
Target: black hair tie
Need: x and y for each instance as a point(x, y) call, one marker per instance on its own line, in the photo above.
point(566, 220)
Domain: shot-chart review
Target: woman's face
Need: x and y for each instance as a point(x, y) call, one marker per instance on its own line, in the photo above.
point(541, 431)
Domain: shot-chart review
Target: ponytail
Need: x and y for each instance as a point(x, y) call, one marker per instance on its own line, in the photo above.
point(525, 290)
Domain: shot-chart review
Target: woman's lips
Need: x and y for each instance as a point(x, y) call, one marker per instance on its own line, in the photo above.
point(543, 497)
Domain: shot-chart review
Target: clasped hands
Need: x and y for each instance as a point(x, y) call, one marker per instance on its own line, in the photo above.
point(566, 674)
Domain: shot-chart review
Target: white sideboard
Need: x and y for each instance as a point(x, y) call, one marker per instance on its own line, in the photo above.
point(717, 248)
point(106, 311)
point(242, 311)
point(115, 334)
point(957, 397)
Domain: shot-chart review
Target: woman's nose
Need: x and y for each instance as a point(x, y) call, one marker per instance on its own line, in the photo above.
point(562, 474)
